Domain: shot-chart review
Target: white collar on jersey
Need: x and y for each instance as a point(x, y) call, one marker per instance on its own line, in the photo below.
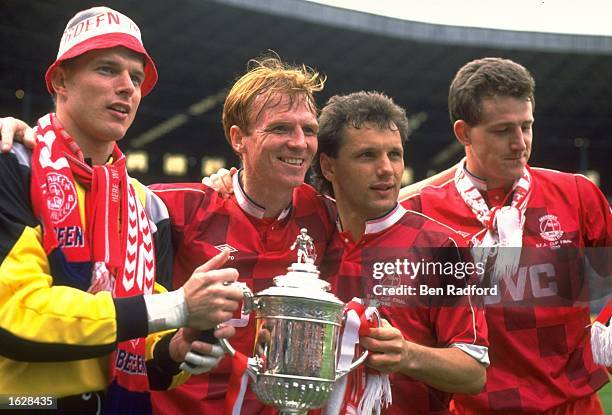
point(380, 223)
point(248, 205)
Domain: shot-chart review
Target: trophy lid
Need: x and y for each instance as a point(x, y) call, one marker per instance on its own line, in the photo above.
point(302, 279)
point(301, 282)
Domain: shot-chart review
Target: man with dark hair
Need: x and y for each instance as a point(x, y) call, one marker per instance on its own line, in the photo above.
point(436, 345)
point(342, 112)
point(82, 243)
point(540, 222)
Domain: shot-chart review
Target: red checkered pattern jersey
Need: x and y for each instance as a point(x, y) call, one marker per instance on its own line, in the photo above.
point(434, 321)
point(540, 354)
point(204, 223)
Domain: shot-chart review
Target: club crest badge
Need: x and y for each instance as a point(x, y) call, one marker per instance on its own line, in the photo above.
point(61, 196)
point(550, 228)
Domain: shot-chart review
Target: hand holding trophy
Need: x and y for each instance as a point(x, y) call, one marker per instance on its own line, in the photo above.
point(299, 321)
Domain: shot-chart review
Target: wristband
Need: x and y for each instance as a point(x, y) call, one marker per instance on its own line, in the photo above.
point(166, 310)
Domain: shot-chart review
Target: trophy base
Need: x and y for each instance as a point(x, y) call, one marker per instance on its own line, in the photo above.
point(292, 394)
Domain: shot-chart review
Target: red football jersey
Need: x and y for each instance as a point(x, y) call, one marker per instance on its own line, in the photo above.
point(380, 266)
point(204, 223)
point(540, 351)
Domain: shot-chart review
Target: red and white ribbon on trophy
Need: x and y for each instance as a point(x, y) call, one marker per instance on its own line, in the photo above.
point(364, 390)
point(238, 382)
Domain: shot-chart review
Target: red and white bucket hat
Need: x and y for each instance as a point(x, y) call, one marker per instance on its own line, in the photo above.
point(102, 28)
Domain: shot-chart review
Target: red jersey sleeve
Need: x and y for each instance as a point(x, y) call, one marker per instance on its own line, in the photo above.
point(596, 214)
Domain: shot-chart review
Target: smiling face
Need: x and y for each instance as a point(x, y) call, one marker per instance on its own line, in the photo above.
point(367, 172)
point(277, 150)
point(98, 94)
point(499, 146)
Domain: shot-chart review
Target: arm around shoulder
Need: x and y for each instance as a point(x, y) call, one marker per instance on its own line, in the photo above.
point(435, 180)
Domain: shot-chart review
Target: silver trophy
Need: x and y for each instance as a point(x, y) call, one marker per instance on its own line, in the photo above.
point(297, 336)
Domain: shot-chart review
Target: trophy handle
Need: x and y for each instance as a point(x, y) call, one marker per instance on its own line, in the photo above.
point(248, 305)
point(357, 362)
point(353, 365)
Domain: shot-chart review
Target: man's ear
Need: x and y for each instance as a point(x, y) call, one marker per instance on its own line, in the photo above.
point(237, 139)
point(58, 80)
point(327, 167)
point(462, 132)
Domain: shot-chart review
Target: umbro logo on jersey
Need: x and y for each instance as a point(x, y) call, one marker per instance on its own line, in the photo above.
point(226, 247)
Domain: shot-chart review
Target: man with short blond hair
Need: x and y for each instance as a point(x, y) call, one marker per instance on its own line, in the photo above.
point(270, 120)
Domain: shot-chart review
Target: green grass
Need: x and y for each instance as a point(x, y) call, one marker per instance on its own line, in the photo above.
point(606, 398)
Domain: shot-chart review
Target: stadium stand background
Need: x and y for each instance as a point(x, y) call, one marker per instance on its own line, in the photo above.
point(200, 47)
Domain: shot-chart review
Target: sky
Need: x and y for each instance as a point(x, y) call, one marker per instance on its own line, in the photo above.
point(587, 17)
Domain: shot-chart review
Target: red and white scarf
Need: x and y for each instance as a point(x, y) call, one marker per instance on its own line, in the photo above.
point(363, 391)
point(503, 225)
point(116, 237)
point(601, 336)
